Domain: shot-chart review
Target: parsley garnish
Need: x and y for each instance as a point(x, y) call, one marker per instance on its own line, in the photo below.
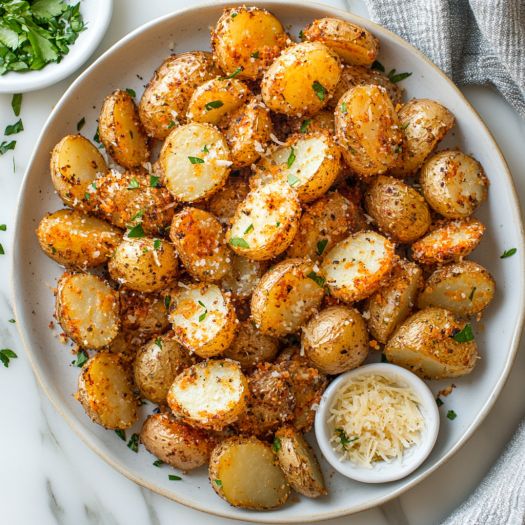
point(121, 434)
point(16, 103)
point(377, 65)
point(157, 243)
point(218, 482)
point(131, 92)
point(173, 477)
point(343, 108)
point(96, 137)
point(154, 181)
point(319, 89)
point(137, 215)
point(397, 78)
point(292, 180)
point(82, 358)
point(203, 315)
point(321, 245)
point(304, 125)
point(465, 335)
point(158, 463)
point(276, 445)
point(317, 279)
point(214, 104)
point(167, 301)
point(236, 72)
point(133, 184)
point(6, 355)
point(439, 402)
point(2, 252)
point(6, 146)
point(15, 128)
point(508, 253)
point(291, 157)
point(234, 14)
point(3, 227)
point(239, 242)
point(451, 415)
point(196, 160)
point(11, 321)
point(249, 229)
point(343, 438)
point(158, 342)
point(171, 124)
point(255, 54)
point(80, 123)
point(133, 443)
point(137, 232)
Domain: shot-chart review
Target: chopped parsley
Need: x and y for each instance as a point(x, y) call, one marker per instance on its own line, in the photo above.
point(214, 104)
point(343, 108)
point(394, 78)
point(81, 359)
point(171, 124)
point(304, 125)
point(465, 335)
point(239, 242)
point(133, 443)
point(378, 66)
point(96, 137)
point(16, 103)
point(343, 438)
point(196, 160)
point(15, 128)
point(234, 14)
point(255, 54)
point(133, 184)
point(218, 482)
point(451, 415)
point(154, 181)
point(137, 232)
point(236, 72)
point(6, 355)
point(317, 279)
point(121, 434)
point(205, 149)
point(249, 229)
point(3, 227)
point(11, 321)
point(173, 477)
point(158, 342)
point(319, 89)
point(321, 245)
point(131, 92)
point(81, 123)
point(137, 216)
point(439, 402)
point(291, 158)
point(157, 243)
point(508, 253)
point(204, 314)
point(292, 180)
point(167, 301)
point(2, 251)
point(158, 463)
point(276, 445)
point(6, 146)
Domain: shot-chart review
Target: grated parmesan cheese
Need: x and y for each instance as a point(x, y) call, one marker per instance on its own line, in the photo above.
point(375, 419)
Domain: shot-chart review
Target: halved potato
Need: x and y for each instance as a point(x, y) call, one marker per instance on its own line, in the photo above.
point(87, 309)
point(164, 102)
point(425, 122)
point(225, 201)
point(195, 161)
point(335, 340)
point(368, 129)
point(243, 276)
point(453, 183)
point(245, 473)
point(199, 240)
point(211, 394)
point(387, 308)
point(299, 463)
point(246, 40)
point(448, 241)
point(301, 80)
point(74, 239)
point(144, 264)
point(464, 288)
point(121, 131)
point(425, 343)
point(75, 165)
point(203, 319)
point(105, 391)
point(266, 222)
point(357, 266)
point(286, 297)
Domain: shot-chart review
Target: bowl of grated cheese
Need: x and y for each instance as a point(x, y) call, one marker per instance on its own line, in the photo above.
point(377, 423)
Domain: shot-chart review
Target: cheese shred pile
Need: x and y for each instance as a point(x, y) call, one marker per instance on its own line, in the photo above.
point(375, 419)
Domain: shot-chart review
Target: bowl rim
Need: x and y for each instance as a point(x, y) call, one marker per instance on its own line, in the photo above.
point(267, 517)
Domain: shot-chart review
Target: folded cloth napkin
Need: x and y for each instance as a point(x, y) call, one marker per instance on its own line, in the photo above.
point(473, 41)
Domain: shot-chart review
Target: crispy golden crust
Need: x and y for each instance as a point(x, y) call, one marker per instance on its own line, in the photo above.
point(321, 121)
point(225, 201)
point(142, 313)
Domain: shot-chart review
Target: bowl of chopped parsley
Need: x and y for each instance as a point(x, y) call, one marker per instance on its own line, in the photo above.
point(44, 41)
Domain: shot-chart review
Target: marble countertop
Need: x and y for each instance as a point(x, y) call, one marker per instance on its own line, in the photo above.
point(48, 476)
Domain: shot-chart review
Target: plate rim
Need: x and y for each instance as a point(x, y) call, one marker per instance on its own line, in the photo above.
point(265, 517)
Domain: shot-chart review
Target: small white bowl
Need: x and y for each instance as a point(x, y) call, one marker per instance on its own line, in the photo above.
point(382, 471)
point(96, 15)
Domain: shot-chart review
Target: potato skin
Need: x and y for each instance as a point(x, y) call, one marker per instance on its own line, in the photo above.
point(321, 121)
point(453, 183)
point(225, 201)
point(121, 131)
point(249, 39)
point(336, 340)
point(76, 240)
point(176, 443)
point(243, 277)
point(398, 209)
point(143, 314)
point(164, 103)
point(301, 80)
point(425, 344)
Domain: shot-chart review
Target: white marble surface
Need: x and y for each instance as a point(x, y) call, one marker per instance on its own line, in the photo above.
point(47, 476)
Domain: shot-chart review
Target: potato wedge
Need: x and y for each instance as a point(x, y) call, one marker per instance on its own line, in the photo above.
point(195, 161)
point(448, 241)
point(243, 277)
point(357, 266)
point(286, 297)
point(176, 443)
point(335, 340)
point(299, 463)
point(427, 343)
point(75, 165)
point(387, 308)
point(225, 201)
point(105, 391)
point(87, 309)
point(301, 80)
point(76, 240)
point(453, 183)
point(211, 394)
point(464, 288)
point(121, 131)
point(203, 319)
point(244, 472)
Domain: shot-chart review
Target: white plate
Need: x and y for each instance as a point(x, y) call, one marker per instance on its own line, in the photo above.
point(96, 15)
point(35, 275)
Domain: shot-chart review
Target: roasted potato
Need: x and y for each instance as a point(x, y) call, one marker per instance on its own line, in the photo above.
point(335, 340)
point(324, 223)
point(105, 391)
point(357, 266)
point(251, 347)
point(144, 264)
point(211, 394)
point(246, 40)
point(144, 314)
point(164, 102)
point(199, 240)
point(225, 201)
point(428, 344)
point(266, 222)
point(397, 209)
point(75, 165)
point(299, 463)
point(195, 161)
point(286, 297)
point(453, 183)
point(387, 308)
point(448, 241)
point(353, 43)
point(243, 276)
point(203, 319)
point(301, 80)
point(121, 131)
point(156, 366)
point(464, 288)
point(368, 130)
point(245, 473)
point(87, 309)
point(76, 240)
point(425, 122)
point(322, 121)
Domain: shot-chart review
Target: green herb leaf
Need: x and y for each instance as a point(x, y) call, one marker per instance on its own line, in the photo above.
point(249, 229)
point(239, 242)
point(378, 66)
point(158, 342)
point(196, 160)
point(465, 335)
point(439, 402)
point(15, 128)
point(121, 434)
point(291, 157)
point(319, 89)
point(255, 54)
point(81, 359)
point(137, 216)
point(234, 14)
point(214, 104)
point(6, 146)
point(167, 301)
point(505, 254)
point(81, 123)
point(131, 92)
point(276, 445)
point(317, 279)
point(394, 78)
point(137, 232)
point(11, 321)
point(154, 181)
point(2, 252)
point(133, 184)
point(343, 438)
point(218, 482)
point(405, 125)
point(173, 477)
point(321, 245)
point(236, 72)
point(203, 315)
point(133, 443)
point(304, 125)
point(343, 108)
point(16, 103)
point(451, 415)
point(171, 124)
point(157, 243)
point(158, 463)
point(3, 227)
point(292, 180)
